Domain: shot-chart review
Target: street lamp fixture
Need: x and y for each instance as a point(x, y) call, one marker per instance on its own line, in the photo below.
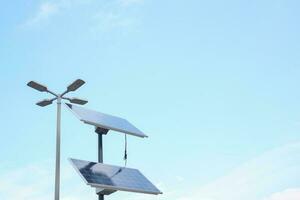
point(77, 101)
point(37, 86)
point(45, 102)
point(75, 85)
point(72, 87)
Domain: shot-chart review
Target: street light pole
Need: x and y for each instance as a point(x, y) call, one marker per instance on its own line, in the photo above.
point(72, 87)
point(57, 163)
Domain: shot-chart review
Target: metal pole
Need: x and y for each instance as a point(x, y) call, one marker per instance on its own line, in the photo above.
point(100, 157)
point(100, 148)
point(57, 164)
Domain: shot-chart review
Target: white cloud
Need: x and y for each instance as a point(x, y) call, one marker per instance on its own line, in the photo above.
point(29, 182)
point(130, 2)
point(44, 11)
point(179, 178)
point(104, 16)
point(115, 15)
point(257, 178)
point(288, 194)
point(105, 21)
point(48, 9)
point(36, 182)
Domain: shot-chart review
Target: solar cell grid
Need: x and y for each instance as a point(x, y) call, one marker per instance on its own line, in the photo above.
point(105, 121)
point(114, 177)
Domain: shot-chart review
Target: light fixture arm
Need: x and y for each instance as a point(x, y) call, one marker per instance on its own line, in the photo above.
point(53, 99)
point(66, 98)
point(62, 94)
point(52, 93)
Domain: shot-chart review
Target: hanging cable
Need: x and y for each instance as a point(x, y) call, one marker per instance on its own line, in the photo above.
point(125, 151)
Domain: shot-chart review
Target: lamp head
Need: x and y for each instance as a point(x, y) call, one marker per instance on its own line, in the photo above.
point(78, 101)
point(37, 86)
point(45, 102)
point(75, 85)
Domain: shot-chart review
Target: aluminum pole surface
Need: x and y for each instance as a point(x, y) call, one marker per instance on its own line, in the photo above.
point(57, 163)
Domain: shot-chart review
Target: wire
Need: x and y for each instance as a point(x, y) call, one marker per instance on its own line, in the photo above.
point(125, 151)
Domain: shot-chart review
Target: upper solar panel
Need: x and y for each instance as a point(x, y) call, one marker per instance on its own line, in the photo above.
point(105, 121)
point(113, 177)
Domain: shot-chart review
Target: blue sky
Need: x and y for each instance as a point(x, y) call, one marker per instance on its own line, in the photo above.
point(214, 84)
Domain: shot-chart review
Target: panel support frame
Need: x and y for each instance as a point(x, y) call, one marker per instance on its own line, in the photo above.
point(100, 132)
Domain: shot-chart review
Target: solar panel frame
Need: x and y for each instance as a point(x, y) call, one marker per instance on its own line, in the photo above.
point(115, 188)
point(134, 131)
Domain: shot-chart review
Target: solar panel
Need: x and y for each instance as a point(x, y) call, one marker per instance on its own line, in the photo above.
point(113, 178)
point(105, 121)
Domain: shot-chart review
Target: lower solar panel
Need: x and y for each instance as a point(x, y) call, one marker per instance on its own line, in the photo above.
point(113, 177)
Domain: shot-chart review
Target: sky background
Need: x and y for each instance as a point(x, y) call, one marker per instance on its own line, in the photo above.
point(213, 83)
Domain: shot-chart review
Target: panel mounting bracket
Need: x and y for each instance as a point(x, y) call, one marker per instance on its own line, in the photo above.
point(101, 191)
point(100, 130)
